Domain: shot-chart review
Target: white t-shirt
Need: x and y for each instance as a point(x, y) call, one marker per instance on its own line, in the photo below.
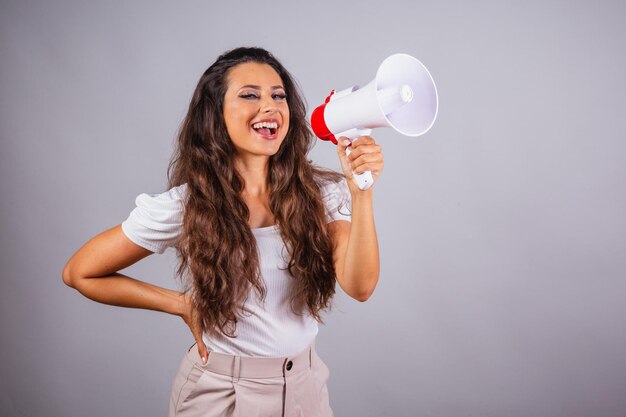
point(265, 330)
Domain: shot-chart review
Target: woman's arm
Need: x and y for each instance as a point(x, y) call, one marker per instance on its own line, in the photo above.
point(355, 253)
point(92, 271)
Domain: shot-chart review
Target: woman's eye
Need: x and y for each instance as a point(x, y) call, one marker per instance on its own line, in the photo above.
point(255, 96)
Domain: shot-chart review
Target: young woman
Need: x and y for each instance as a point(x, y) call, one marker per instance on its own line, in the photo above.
point(261, 236)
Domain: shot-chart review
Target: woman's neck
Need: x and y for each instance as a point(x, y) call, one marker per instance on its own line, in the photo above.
point(255, 173)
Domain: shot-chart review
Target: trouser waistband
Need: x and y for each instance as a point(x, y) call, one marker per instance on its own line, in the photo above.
point(253, 367)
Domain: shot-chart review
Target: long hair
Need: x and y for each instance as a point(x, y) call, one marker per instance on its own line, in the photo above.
point(217, 253)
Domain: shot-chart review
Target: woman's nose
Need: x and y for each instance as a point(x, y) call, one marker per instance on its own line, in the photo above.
point(268, 105)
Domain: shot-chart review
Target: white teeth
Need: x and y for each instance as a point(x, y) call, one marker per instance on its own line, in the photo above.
point(270, 125)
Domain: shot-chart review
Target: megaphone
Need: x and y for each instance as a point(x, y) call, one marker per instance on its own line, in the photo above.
point(402, 96)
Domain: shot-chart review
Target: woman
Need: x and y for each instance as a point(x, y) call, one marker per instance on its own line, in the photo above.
point(261, 237)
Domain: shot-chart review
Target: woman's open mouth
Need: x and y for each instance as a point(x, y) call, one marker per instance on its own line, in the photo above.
point(267, 130)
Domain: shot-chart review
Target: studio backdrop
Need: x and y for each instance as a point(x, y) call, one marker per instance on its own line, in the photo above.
point(502, 230)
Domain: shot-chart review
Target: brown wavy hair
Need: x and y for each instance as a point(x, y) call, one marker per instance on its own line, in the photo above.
point(218, 257)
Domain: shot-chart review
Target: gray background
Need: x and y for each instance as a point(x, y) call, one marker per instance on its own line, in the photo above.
point(501, 231)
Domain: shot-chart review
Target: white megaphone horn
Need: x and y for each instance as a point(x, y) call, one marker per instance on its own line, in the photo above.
point(402, 96)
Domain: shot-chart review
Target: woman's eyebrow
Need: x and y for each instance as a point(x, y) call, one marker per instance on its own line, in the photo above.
point(258, 87)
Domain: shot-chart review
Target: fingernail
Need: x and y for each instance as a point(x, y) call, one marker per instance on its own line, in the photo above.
point(346, 142)
point(204, 360)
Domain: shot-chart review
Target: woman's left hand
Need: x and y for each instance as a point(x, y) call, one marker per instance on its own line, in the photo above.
point(365, 155)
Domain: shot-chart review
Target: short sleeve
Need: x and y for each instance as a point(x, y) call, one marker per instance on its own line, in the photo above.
point(337, 200)
point(157, 220)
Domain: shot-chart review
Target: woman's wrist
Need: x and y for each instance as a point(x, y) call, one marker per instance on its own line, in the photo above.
point(177, 305)
point(365, 195)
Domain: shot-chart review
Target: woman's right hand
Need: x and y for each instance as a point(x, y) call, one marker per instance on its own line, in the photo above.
point(189, 314)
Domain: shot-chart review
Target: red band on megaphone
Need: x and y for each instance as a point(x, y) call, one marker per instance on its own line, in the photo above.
point(318, 124)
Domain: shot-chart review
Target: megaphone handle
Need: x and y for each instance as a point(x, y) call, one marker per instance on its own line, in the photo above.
point(363, 180)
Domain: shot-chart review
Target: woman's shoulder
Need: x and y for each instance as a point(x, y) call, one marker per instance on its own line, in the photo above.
point(178, 192)
point(328, 180)
point(336, 196)
point(156, 221)
point(173, 198)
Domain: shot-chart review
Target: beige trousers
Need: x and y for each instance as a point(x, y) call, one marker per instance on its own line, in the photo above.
point(241, 386)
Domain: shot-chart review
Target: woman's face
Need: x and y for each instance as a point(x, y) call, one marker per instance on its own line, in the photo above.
point(255, 109)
